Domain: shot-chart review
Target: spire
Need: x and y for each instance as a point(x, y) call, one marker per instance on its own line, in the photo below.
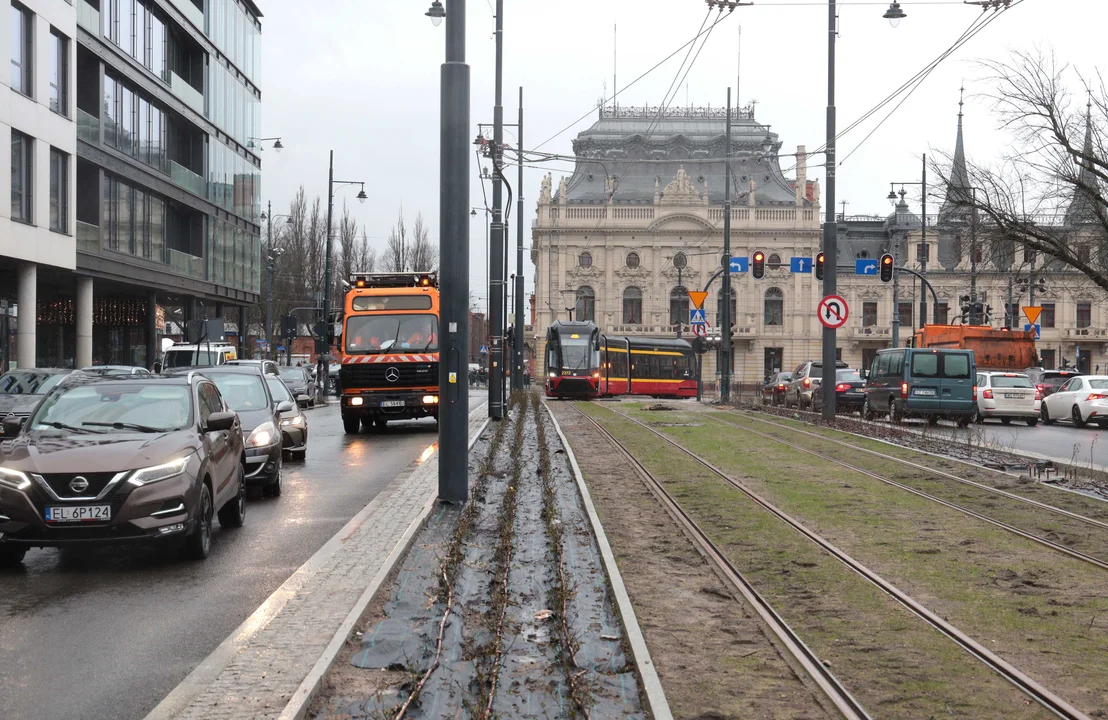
point(1083, 207)
point(957, 191)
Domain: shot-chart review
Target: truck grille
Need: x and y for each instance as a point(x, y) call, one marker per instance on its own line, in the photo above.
point(376, 375)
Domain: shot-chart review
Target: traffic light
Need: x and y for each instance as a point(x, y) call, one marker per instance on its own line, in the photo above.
point(819, 266)
point(759, 263)
point(886, 268)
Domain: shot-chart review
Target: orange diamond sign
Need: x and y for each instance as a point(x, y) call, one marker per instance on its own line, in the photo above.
point(697, 297)
point(1032, 313)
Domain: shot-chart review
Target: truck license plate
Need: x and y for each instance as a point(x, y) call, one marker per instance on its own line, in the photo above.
point(82, 513)
point(926, 392)
point(392, 403)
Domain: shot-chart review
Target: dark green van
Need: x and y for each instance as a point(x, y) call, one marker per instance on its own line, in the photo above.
point(921, 382)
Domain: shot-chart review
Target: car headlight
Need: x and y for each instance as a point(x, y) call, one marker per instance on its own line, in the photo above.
point(145, 476)
point(297, 421)
point(14, 479)
point(262, 435)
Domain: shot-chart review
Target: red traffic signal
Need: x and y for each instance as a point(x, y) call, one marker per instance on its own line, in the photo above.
point(758, 261)
point(819, 266)
point(886, 268)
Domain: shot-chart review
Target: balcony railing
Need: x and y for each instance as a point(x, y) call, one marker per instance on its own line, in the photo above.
point(191, 12)
point(187, 265)
point(187, 179)
point(88, 127)
point(88, 17)
point(190, 95)
point(88, 238)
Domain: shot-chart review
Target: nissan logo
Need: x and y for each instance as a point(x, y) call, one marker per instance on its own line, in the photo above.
point(392, 374)
point(78, 484)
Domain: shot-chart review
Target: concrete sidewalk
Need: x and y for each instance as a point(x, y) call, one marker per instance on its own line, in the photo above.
point(285, 647)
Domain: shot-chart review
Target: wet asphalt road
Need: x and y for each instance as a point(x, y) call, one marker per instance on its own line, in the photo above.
point(1062, 441)
point(108, 633)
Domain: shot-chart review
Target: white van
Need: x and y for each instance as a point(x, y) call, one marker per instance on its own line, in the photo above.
point(202, 355)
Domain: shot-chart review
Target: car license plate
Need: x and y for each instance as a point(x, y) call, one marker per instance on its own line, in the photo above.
point(80, 513)
point(925, 392)
point(392, 403)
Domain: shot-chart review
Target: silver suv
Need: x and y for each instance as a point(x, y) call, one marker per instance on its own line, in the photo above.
point(805, 382)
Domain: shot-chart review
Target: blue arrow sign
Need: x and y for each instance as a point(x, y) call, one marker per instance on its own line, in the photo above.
point(1037, 328)
point(697, 316)
point(865, 267)
point(740, 264)
point(800, 265)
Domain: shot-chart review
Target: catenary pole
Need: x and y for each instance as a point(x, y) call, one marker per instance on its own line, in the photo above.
point(517, 343)
point(496, 232)
point(830, 224)
point(725, 296)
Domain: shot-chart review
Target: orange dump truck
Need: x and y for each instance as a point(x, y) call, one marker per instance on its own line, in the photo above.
point(1010, 350)
point(390, 349)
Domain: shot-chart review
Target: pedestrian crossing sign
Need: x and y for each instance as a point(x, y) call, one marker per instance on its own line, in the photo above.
point(697, 316)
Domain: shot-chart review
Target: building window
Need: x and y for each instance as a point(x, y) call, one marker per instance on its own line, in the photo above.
point(632, 305)
point(923, 252)
point(774, 260)
point(1011, 315)
point(1028, 254)
point(1046, 317)
point(775, 307)
point(1046, 359)
point(904, 313)
point(942, 314)
point(978, 253)
point(59, 73)
point(584, 260)
point(1083, 254)
point(22, 177)
point(1084, 314)
point(134, 125)
point(632, 260)
point(679, 306)
point(59, 191)
point(21, 49)
point(958, 248)
point(719, 308)
point(586, 304)
point(869, 314)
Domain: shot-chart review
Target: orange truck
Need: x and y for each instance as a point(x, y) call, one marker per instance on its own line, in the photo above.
point(390, 349)
point(1009, 350)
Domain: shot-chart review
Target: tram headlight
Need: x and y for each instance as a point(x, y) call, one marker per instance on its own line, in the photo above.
point(596, 375)
point(553, 375)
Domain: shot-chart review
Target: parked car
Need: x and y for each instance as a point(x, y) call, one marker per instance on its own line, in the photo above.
point(773, 391)
point(22, 390)
point(268, 367)
point(921, 382)
point(294, 424)
point(246, 392)
point(1081, 400)
point(1048, 381)
point(116, 370)
point(805, 380)
point(300, 383)
point(122, 460)
point(1007, 396)
point(849, 392)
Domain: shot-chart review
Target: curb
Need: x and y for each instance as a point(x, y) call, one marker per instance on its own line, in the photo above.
point(652, 685)
point(297, 706)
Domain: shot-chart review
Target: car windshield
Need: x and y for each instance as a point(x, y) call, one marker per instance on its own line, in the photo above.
point(292, 373)
point(29, 383)
point(189, 358)
point(1002, 381)
point(1056, 380)
point(241, 391)
point(848, 376)
point(277, 389)
point(390, 333)
point(139, 406)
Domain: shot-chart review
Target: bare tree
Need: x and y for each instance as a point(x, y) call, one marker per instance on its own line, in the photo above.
point(423, 256)
point(395, 257)
point(1047, 194)
point(410, 251)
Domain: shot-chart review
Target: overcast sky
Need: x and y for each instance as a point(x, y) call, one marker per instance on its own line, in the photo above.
point(361, 77)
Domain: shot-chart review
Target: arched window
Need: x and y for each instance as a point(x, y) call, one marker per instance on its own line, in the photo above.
point(679, 306)
point(632, 306)
point(584, 260)
point(586, 304)
point(632, 260)
point(774, 260)
point(775, 307)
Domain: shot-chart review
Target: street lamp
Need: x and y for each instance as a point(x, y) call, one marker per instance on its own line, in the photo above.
point(325, 344)
point(436, 13)
point(894, 14)
point(276, 145)
point(271, 254)
point(924, 251)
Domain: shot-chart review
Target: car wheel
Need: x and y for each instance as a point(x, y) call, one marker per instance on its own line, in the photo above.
point(933, 420)
point(964, 421)
point(199, 544)
point(300, 455)
point(351, 424)
point(1006, 421)
point(1044, 415)
point(273, 489)
point(867, 411)
point(1032, 422)
point(1075, 415)
point(233, 514)
point(894, 414)
point(11, 555)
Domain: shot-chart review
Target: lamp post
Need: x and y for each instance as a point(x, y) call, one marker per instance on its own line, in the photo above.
point(488, 212)
point(276, 145)
point(328, 282)
point(271, 255)
point(453, 466)
point(922, 255)
point(680, 262)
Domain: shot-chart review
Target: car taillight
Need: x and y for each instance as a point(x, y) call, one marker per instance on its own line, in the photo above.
point(988, 394)
point(975, 391)
point(1097, 396)
point(1038, 394)
point(904, 391)
point(780, 387)
point(807, 382)
point(842, 387)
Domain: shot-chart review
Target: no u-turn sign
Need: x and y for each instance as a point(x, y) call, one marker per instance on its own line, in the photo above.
point(833, 312)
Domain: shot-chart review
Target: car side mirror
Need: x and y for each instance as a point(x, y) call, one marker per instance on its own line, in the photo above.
point(12, 426)
point(220, 421)
point(285, 406)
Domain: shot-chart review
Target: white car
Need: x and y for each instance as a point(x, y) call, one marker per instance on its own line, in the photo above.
point(1082, 400)
point(1008, 396)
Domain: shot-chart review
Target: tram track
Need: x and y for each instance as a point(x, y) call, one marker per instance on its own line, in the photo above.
point(1034, 690)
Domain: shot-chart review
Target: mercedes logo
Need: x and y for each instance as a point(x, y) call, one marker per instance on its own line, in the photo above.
point(78, 484)
point(392, 374)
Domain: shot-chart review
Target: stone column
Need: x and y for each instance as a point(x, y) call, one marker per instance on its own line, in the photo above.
point(151, 328)
point(28, 315)
point(83, 312)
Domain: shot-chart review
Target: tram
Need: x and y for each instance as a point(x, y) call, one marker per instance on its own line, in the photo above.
point(581, 362)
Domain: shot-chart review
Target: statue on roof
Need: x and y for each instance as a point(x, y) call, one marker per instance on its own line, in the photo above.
point(563, 189)
point(815, 192)
point(544, 190)
point(750, 195)
point(681, 190)
point(657, 191)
